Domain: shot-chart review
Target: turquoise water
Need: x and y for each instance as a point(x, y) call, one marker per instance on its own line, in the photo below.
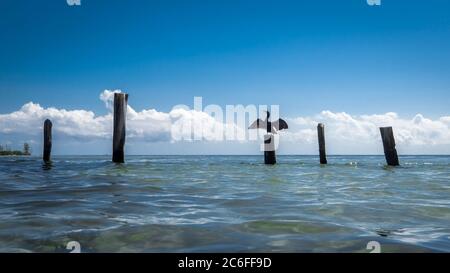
point(225, 204)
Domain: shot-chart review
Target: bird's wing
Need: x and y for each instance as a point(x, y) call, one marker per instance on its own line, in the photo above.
point(258, 124)
point(280, 125)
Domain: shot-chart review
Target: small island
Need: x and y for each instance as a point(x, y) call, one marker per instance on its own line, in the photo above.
point(7, 151)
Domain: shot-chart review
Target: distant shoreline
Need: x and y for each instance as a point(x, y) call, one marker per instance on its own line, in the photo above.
point(7, 151)
point(194, 155)
point(13, 153)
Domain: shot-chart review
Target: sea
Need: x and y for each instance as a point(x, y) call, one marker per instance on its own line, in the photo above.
point(225, 204)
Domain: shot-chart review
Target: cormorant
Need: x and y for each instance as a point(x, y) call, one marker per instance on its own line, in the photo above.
point(268, 125)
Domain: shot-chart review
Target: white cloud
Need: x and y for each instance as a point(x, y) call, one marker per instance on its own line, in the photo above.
point(78, 123)
point(345, 133)
point(147, 125)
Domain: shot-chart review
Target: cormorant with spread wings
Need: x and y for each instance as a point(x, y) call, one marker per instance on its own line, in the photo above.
point(278, 125)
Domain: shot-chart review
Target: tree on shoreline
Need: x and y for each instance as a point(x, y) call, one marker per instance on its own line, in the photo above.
point(6, 151)
point(26, 149)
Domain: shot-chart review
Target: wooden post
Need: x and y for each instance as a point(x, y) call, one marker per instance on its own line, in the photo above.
point(387, 135)
point(322, 151)
point(47, 140)
point(269, 150)
point(120, 113)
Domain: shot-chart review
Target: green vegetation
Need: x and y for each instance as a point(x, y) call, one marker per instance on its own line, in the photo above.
point(6, 151)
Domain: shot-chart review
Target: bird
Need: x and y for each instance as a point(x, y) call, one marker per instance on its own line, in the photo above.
point(270, 127)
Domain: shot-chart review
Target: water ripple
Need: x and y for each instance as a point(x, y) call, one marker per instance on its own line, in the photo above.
point(225, 204)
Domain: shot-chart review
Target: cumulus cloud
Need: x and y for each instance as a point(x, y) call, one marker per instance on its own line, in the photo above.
point(362, 132)
point(147, 125)
point(345, 133)
point(365, 128)
point(77, 123)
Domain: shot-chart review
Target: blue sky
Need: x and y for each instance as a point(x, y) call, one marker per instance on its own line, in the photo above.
point(306, 56)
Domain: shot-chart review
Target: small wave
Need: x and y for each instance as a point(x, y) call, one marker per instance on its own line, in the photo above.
point(15, 250)
point(176, 220)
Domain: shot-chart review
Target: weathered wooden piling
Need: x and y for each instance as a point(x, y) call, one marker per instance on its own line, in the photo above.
point(269, 150)
point(120, 113)
point(390, 152)
point(47, 140)
point(321, 136)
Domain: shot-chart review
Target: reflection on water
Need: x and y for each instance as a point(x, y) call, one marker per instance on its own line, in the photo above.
point(47, 165)
point(224, 204)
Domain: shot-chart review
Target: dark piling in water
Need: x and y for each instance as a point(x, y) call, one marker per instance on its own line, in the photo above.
point(47, 140)
point(321, 136)
point(269, 150)
point(390, 152)
point(120, 112)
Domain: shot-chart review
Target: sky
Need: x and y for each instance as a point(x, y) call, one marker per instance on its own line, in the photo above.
point(351, 65)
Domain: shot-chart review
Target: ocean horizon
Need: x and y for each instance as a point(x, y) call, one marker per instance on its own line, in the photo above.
point(306, 155)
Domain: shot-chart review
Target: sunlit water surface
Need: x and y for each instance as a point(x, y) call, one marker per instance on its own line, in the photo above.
point(224, 204)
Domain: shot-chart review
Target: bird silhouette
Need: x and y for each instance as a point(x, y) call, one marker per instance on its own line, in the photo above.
point(271, 127)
